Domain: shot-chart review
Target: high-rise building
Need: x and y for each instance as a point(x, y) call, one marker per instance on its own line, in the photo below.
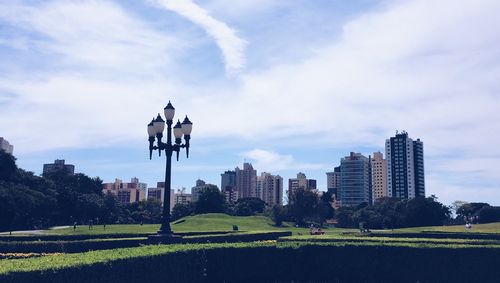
point(379, 176)
point(126, 192)
point(158, 193)
point(58, 166)
point(333, 185)
point(228, 186)
point(355, 181)
point(311, 184)
point(418, 165)
point(301, 182)
point(405, 167)
point(270, 188)
point(333, 181)
point(200, 186)
point(182, 198)
point(246, 181)
point(6, 146)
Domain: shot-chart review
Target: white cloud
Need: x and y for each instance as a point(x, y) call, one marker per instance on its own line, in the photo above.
point(428, 67)
point(270, 161)
point(231, 46)
point(89, 35)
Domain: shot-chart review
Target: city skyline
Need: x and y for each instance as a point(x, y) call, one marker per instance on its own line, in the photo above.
point(288, 87)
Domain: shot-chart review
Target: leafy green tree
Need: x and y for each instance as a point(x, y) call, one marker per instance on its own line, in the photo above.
point(249, 206)
point(489, 214)
point(470, 209)
point(425, 212)
point(210, 200)
point(182, 210)
point(304, 204)
point(344, 217)
point(8, 167)
point(325, 209)
point(279, 214)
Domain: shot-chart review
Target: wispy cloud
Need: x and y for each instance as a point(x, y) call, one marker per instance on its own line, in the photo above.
point(231, 46)
point(88, 36)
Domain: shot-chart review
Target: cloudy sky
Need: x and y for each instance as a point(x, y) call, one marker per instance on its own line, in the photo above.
point(286, 85)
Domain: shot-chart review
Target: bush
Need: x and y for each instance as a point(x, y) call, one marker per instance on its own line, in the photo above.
point(264, 262)
point(237, 237)
point(69, 246)
point(489, 214)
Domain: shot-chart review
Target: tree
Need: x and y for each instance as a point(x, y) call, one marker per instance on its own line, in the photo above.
point(304, 204)
point(182, 210)
point(470, 209)
point(489, 214)
point(8, 167)
point(279, 214)
point(325, 209)
point(210, 200)
point(249, 206)
point(456, 205)
point(425, 212)
point(344, 217)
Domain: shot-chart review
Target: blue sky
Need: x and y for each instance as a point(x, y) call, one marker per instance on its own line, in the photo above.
point(286, 85)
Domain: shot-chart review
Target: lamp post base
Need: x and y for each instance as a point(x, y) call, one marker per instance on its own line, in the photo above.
point(165, 239)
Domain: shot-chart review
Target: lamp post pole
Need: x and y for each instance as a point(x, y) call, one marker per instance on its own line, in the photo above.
point(155, 128)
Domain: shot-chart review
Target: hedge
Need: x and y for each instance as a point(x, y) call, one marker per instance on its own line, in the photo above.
point(79, 237)
point(337, 238)
point(265, 262)
point(439, 235)
point(69, 246)
point(238, 237)
point(106, 244)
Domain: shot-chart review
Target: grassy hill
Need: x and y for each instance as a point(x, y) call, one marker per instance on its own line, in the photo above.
point(196, 223)
point(223, 222)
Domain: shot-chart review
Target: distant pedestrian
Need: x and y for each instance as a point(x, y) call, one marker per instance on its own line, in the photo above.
point(74, 226)
point(90, 224)
point(104, 225)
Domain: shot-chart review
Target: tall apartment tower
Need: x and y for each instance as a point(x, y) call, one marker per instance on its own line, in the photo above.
point(6, 146)
point(355, 180)
point(158, 193)
point(405, 167)
point(246, 181)
point(270, 188)
point(333, 181)
point(228, 186)
point(301, 182)
point(59, 166)
point(200, 186)
point(333, 185)
point(132, 192)
point(379, 176)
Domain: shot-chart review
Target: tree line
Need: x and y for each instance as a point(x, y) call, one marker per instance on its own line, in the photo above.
point(28, 201)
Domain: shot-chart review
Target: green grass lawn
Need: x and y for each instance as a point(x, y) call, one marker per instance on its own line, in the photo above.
point(197, 223)
point(110, 229)
point(223, 222)
point(476, 228)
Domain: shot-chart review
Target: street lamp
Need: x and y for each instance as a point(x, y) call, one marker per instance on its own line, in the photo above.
point(155, 128)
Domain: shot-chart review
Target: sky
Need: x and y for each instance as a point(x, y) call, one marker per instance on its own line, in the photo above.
point(289, 86)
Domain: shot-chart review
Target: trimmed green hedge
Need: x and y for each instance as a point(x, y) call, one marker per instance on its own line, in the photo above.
point(80, 237)
point(338, 238)
point(440, 235)
point(265, 262)
point(78, 246)
point(69, 246)
point(238, 237)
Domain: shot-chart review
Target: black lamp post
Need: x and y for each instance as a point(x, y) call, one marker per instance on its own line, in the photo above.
point(155, 128)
